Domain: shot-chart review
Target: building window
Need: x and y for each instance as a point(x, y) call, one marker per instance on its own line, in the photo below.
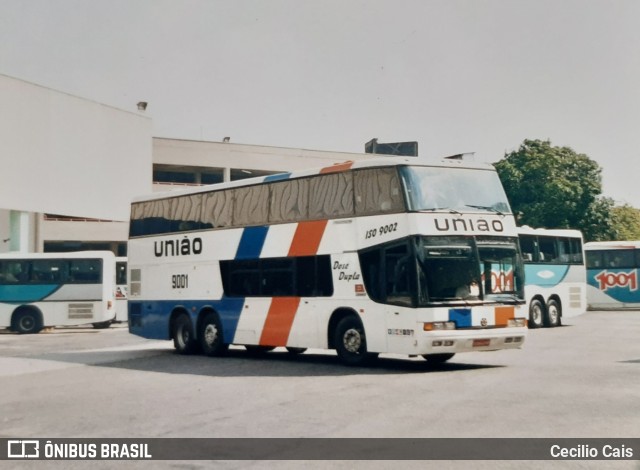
point(212, 177)
point(238, 174)
point(179, 177)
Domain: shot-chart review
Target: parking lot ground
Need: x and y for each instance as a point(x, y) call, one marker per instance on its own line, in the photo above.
point(581, 380)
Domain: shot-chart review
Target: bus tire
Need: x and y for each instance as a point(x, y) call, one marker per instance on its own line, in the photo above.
point(26, 321)
point(351, 342)
point(258, 350)
point(293, 350)
point(552, 315)
point(536, 314)
point(435, 359)
point(182, 333)
point(210, 336)
point(102, 325)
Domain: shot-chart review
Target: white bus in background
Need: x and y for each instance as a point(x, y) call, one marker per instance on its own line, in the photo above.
point(377, 256)
point(612, 275)
point(555, 275)
point(121, 289)
point(39, 290)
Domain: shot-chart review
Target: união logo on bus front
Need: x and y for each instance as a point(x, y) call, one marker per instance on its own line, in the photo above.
point(607, 280)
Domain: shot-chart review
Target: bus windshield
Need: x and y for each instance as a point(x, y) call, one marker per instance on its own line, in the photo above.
point(463, 189)
point(465, 269)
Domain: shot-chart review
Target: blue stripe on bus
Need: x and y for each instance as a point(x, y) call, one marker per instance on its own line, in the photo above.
point(622, 285)
point(251, 242)
point(150, 319)
point(277, 177)
point(229, 310)
point(461, 317)
point(26, 292)
point(544, 274)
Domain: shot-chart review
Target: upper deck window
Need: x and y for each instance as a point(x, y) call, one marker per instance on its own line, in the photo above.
point(378, 191)
point(358, 192)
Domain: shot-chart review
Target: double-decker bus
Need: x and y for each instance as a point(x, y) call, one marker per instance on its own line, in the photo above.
point(378, 256)
point(612, 275)
point(121, 289)
point(40, 290)
point(555, 275)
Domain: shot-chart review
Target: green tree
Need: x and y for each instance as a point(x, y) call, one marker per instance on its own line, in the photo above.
point(555, 187)
point(626, 222)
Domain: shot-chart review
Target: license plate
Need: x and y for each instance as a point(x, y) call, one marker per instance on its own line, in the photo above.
point(478, 343)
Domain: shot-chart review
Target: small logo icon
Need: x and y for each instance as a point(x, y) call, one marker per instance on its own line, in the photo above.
point(483, 322)
point(23, 449)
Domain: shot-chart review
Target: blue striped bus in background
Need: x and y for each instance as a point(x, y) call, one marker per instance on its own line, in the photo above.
point(612, 275)
point(39, 290)
point(555, 282)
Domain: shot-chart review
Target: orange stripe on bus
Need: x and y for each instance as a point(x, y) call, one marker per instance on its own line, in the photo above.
point(504, 314)
point(307, 238)
point(280, 317)
point(337, 167)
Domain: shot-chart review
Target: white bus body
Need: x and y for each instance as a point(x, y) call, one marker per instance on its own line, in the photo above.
point(612, 275)
point(364, 258)
point(555, 275)
point(40, 290)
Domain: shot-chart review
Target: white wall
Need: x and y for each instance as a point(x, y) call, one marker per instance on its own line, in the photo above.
point(66, 155)
point(87, 231)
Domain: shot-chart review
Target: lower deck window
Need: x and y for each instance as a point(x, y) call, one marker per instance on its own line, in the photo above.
point(306, 276)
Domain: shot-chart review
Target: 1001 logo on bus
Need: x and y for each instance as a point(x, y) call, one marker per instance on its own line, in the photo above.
point(607, 280)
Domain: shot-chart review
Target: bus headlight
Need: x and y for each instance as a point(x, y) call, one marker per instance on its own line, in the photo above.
point(439, 325)
point(516, 322)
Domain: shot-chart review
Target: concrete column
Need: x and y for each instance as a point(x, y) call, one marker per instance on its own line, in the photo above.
point(20, 229)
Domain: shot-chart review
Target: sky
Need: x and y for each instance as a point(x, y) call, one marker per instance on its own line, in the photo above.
point(454, 75)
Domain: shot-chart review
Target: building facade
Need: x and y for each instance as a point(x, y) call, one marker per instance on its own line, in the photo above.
point(62, 154)
point(89, 160)
point(178, 163)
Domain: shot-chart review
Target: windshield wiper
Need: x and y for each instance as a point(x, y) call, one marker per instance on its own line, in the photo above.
point(433, 209)
point(486, 208)
point(509, 297)
point(453, 301)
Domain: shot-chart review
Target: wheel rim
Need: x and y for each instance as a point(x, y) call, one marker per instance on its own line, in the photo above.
point(27, 323)
point(352, 340)
point(184, 335)
point(210, 334)
point(553, 314)
point(537, 314)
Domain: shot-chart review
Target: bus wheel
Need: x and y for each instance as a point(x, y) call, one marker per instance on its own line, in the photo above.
point(257, 350)
point(102, 325)
point(552, 317)
point(26, 321)
point(293, 350)
point(351, 342)
point(182, 333)
point(210, 335)
point(438, 358)
point(536, 314)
